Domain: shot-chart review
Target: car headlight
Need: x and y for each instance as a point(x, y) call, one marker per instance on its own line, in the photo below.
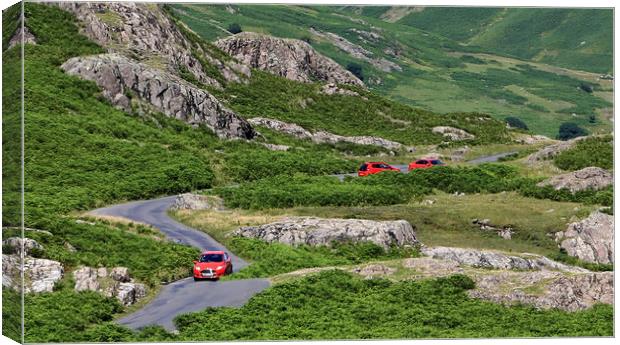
point(219, 267)
point(197, 268)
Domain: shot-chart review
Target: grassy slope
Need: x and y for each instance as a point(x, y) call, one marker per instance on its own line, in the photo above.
point(429, 63)
point(573, 38)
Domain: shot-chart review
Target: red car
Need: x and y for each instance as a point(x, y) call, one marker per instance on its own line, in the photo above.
point(212, 264)
point(370, 168)
point(425, 163)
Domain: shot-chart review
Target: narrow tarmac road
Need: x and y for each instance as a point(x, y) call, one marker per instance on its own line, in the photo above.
point(186, 295)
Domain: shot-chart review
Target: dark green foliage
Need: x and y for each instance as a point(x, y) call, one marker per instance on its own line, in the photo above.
point(339, 305)
point(458, 23)
point(10, 23)
point(562, 256)
point(62, 315)
point(586, 87)
point(356, 69)
point(516, 122)
point(234, 28)
point(11, 314)
point(269, 259)
point(570, 130)
point(472, 59)
point(301, 103)
point(595, 151)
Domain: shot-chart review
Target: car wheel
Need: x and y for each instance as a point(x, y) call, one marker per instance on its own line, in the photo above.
point(196, 279)
point(230, 269)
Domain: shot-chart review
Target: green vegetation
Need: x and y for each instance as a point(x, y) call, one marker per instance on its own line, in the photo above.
point(574, 38)
point(595, 151)
point(270, 259)
point(380, 309)
point(543, 97)
point(516, 122)
point(570, 130)
point(234, 28)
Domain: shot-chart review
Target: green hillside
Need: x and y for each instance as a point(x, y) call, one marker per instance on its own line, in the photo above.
point(435, 71)
point(573, 38)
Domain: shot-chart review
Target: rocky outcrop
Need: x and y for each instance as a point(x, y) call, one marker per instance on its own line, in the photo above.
point(551, 151)
point(584, 179)
point(532, 139)
point(322, 136)
point(288, 58)
point(114, 282)
point(497, 260)
point(40, 275)
point(591, 239)
point(504, 232)
point(190, 201)
point(357, 51)
point(321, 231)
point(276, 147)
point(121, 77)
point(453, 134)
point(546, 289)
point(334, 89)
point(374, 270)
point(18, 38)
point(17, 243)
point(144, 32)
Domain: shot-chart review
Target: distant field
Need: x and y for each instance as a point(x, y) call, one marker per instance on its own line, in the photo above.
point(437, 72)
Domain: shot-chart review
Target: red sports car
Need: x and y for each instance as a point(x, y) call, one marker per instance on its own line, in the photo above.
point(425, 163)
point(369, 168)
point(212, 264)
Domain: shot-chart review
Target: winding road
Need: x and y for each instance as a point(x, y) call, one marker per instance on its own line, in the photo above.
point(185, 295)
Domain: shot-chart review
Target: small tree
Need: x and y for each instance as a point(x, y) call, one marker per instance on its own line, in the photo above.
point(516, 122)
point(356, 69)
point(234, 28)
point(586, 87)
point(592, 118)
point(570, 130)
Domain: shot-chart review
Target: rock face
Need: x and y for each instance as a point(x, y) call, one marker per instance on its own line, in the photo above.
point(119, 76)
point(40, 275)
point(144, 32)
point(333, 89)
point(18, 38)
point(586, 178)
point(591, 239)
point(551, 151)
point(357, 51)
point(190, 201)
point(17, 243)
point(546, 289)
point(322, 136)
point(453, 134)
point(321, 231)
point(288, 58)
point(374, 270)
point(111, 283)
point(496, 260)
point(532, 139)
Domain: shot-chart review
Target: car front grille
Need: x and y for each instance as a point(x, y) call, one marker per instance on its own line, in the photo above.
point(207, 271)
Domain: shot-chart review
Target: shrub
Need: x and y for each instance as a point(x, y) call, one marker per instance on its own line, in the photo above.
point(586, 87)
point(595, 151)
point(234, 28)
point(570, 130)
point(516, 122)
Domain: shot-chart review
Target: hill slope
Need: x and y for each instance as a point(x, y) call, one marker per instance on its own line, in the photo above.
point(423, 68)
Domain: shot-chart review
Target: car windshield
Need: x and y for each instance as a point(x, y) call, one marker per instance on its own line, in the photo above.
point(382, 166)
point(436, 162)
point(212, 258)
point(422, 162)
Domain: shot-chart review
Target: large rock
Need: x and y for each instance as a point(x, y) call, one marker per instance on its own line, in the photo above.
point(586, 178)
point(115, 282)
point(144, 32)
point(551, 151)
point(591, 239)
point(17, 243)
point(119, 76)
point(40, 275)
point(288, 58)
point(546, 289)
point(190, 201)
point(452, 133)
point(320, 231)
point(497, 260)
point(322, 136)
point(22, 37)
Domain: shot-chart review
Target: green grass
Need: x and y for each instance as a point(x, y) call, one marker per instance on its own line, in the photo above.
point(595, 151)
point(380, 309)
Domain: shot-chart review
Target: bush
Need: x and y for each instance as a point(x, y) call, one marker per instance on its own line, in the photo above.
point(595, 151)
point(356, 69)
point(234, 28)
point(570, 130)
point(586, 87)
point(339, 305)
point(516, 122)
